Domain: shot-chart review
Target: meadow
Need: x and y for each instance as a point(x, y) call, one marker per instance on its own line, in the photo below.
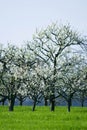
point(22, 118)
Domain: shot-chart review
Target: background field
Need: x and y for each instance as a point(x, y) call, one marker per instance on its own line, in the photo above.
point(42, 119)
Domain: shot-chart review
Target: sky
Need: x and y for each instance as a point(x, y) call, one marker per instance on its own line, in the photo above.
point(20, 18)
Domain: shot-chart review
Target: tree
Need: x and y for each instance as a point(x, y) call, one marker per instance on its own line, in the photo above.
point(69, 77)
point(10, 82)
point(48, 45)
point(81, 94)
point(35, 89)
point(22, 94)
point(25, 61)
point(45, 74)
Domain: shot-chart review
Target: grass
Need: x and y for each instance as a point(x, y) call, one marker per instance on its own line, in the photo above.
point(42, 119)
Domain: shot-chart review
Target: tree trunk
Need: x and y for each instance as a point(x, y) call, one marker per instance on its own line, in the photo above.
point(11, 103)
point(3, 102)
point(45, 100)
point(52, 107)
point(34, 105)
point(21, 101)
point(52, 102)
point(82, 103)
point(52, 97)
point(69, 104)
point(68, 107)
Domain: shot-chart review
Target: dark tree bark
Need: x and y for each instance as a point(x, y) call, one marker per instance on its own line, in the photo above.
point(45, 100)
point(52, 102)
point(82, 103)
point(21, 102)
point(34, 105)
point(52, 97)
point(11, 103)
point(83, 98)
point(52, 107)
point(21, 99)
point(3, 102)
point(69, 103)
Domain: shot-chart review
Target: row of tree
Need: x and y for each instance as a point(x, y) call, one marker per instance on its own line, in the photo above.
point(52, 65)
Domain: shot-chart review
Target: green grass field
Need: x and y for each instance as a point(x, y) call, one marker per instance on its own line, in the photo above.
point(42, 119)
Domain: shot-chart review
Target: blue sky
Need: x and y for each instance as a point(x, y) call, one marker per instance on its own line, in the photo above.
point(20, 18)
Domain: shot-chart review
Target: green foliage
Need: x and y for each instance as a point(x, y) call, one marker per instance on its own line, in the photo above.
point(42, 119)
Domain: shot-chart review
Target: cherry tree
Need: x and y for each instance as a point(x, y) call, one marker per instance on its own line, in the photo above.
point(69, 77)
point(48, 44)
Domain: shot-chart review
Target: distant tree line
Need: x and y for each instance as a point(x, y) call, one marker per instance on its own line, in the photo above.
point(51, 66)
